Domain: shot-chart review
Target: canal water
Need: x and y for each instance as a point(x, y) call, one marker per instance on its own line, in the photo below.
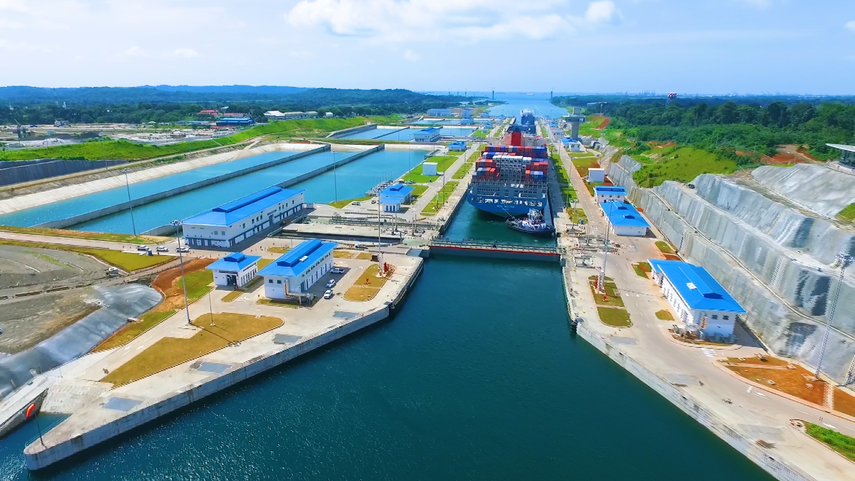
point(476, 225)
point(478, 377)
point(407, 134)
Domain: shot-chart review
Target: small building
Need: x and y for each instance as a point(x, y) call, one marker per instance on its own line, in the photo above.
point(274, 115)
point(457, 146)
point(234, 121)
point(573, 145)
point(699, 301)
point(329, 115)
point(609, 193)
point(596, 175)
point(624, 220)
point(431, 134)
point(429, 168)
point(235, 114)
point(847, 153)
point(211, 112)
point(236, 221)
point(234, 270)
point(298, 269)
point(439, 112)
point(392, 197)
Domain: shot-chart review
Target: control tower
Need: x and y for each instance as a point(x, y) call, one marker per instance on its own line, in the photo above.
point(574, 121)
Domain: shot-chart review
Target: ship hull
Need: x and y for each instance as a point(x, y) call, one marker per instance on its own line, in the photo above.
point(499, 209)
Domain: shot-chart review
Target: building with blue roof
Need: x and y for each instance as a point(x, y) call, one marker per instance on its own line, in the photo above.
point(609, 193)
point(234, 270)
point(231, 223)
point(624, 219)
point(392, 197)
point(457, 146)
point(298, 269)
point(234, 121)
point(699, 301)
point(431, 134)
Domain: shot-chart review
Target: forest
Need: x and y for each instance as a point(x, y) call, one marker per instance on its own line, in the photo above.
point(32, 105)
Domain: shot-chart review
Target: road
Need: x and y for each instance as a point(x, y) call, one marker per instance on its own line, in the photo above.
point(754, 413)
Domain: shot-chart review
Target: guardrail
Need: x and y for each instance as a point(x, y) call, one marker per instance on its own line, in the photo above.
point(496, 246)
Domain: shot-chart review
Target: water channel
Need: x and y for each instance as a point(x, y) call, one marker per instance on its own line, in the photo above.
point(476, 378)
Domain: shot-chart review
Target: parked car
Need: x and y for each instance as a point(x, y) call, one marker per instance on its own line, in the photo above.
point(142, 248)
point(162, 249)
point(373, 201)
point(356, 202)
point(183, 249)
point(328, 294)
point(338, 270)
point(330, 283)
point(359, 246)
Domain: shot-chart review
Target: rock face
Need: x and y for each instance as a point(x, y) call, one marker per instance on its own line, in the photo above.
point(775, 255)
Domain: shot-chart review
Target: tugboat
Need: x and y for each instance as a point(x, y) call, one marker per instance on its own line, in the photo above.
point(533, 223)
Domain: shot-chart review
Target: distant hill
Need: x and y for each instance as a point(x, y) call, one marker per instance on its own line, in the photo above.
point(232, 89)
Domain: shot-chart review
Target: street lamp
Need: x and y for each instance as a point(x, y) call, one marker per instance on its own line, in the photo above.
point(335, 178)
point(130, 204)
point(606, 245)
point(177, 224)
point(843, 260)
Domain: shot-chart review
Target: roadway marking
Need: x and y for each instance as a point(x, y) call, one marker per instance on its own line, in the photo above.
point(750, 388)
point(829, 426)
point(709, 352)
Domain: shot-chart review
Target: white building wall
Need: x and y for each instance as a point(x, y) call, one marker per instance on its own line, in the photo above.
point(717, 322)
point(629, 230)
point(596, 175)
point(602, 198)
point(275, 286)
point(242, 278)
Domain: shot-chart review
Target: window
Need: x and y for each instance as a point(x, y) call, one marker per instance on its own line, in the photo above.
point(270, 281)
point(278, 281)
point(715, 316)
point(726, 318)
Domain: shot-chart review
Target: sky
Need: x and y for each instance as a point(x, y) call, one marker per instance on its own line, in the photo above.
point(582, 46)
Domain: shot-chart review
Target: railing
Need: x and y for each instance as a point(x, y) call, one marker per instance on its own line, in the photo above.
point(497, 246)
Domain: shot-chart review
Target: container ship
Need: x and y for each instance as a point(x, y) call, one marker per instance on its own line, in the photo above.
point(510, 180)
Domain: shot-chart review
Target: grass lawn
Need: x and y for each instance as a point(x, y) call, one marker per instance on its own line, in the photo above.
point(232, 296)
point(585, 162)
point(612, 296)
point(841, 443)
point(641, 269)
point(132, 330)
point(480, 134)
point(340, 254)
point(262, 263)
point(127, 261)
point(277, 303)
point(439, 199)
point(277, 250)
point(102, 236)
point(363, 256)
point(418, 190)
point(198, 284)
point(614, 317)
point(338, 204)
point(472, 158)
point(847, 214)
point(683, 164)
point(170, 351)
point(665, 315)
point(576, 215)
point(367, 286)
point(443, 162)
point(664, 247)
point(462, 171)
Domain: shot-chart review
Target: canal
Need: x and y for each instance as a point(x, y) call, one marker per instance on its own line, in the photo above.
point(476, 378)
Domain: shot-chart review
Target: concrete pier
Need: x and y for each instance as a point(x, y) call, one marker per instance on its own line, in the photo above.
point(133, 405)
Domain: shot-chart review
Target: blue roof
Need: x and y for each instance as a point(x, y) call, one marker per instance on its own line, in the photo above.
point(297, 260)
point(609, 189)
point(228, 214)
point(429, 130)
point(233, 262)
point(391, 200)
point(622, 214)
point(397, 190)
point(696, 286)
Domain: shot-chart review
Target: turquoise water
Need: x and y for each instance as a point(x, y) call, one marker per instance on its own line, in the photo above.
point(88, 203)
point(408, 134)
point(467, 382)
point(537, 102)
point(190, 203)
point(369, 134)
point(473, 224)
point(353, 180)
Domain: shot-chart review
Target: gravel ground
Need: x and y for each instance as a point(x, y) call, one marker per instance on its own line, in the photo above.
point(25, 266)
point(30, 320)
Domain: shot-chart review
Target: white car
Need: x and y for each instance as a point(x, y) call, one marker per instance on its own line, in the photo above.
point(162, 249)
point(330, 283)
point(328, 294)
point(183, 249)
point(356, 202)
point(337, 270)
point(142, 248)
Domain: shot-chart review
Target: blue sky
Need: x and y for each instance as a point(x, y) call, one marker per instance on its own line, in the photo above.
point(687, 46)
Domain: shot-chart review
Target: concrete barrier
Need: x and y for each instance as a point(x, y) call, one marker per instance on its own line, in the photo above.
point(97, 214)
point(20, 171)
point(353, 130)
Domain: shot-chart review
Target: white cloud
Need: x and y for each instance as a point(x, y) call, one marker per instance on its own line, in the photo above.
point(604, 11)
point(851, 25)
point(135, 52)
point(455, 20)
point(412, 56)
point(185, 53)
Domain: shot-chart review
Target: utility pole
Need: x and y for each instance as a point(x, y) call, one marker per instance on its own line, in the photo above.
point(379, 242)
point(177, 224)
point(844, 260)
point(130, 204)
point(335, 178)
point(602, 282)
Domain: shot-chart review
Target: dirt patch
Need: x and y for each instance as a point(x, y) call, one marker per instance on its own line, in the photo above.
point(787, 378)
point(604, 123)
point(167, 284)
point(844, 402)
point(31, 320)
point(782, 158)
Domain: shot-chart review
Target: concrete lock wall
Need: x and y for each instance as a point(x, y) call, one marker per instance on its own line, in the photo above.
point(746, 240)
point(16, 172)
point(813, 187)
point(97, 214)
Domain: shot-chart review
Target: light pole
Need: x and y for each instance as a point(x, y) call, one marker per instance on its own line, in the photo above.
point(335, 178)
point(130, 204)
point(843, 260)
point(177, 224)
point(602, 282)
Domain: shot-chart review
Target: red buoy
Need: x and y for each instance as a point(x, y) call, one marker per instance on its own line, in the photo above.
point(30, 409)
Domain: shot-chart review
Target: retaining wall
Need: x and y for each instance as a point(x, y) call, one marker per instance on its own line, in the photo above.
point(352, 130)
point(97, 214)
point(746, 240)
point(16, 172)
